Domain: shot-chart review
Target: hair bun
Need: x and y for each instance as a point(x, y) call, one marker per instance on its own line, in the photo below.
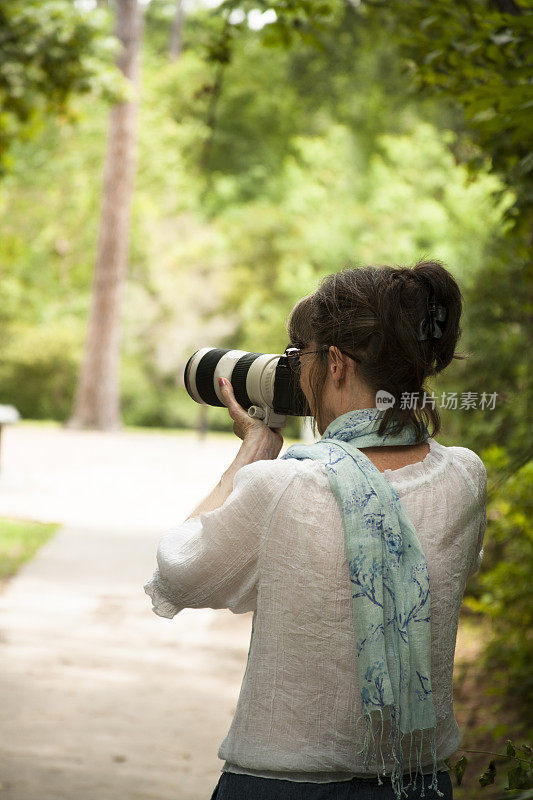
point(439, 325)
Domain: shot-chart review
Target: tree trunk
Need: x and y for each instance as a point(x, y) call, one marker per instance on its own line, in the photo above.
point(174, 49)
point(97, 402)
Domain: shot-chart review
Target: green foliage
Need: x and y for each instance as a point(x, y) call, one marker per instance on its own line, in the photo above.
point(241, 127)
point(496, 327)
point(293, 21)
point(476, 52)
point(50, 52)
point(490, 773)
point(519, 768)
point(38, 369)
point(409, 199)
point(19, 541)
point(342, 169)
point(503, 590)
point(247, 115)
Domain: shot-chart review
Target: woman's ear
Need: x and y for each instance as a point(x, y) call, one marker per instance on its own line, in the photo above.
point(337, 363)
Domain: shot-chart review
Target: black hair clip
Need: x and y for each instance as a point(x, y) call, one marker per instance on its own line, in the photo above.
point(431, 328)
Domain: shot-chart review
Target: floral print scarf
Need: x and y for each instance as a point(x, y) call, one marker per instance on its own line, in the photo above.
point(390, 591)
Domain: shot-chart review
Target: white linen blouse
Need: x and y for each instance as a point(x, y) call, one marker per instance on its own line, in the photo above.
point(276, 547)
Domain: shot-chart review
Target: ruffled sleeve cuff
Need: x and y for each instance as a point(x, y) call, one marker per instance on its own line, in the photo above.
point(163, 603)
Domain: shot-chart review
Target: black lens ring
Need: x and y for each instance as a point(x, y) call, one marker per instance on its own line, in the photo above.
point(238, 378)
point(205, 376)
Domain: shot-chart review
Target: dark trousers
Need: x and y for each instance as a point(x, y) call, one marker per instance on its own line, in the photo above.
point(247, 787)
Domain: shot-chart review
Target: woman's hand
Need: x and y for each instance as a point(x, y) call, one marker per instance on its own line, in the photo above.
point(258, 439)
point(259, 443)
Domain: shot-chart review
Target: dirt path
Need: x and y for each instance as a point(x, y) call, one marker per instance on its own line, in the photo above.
point(101, 699)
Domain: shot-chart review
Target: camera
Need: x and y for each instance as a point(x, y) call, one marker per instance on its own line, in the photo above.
point(263, 383)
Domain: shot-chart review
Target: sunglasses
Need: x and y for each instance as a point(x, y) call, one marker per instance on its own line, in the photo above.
point(293, 354)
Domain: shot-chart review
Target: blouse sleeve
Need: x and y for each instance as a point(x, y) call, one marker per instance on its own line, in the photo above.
point(211, 561)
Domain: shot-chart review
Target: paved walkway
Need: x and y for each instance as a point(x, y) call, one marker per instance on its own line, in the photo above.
point(101, 699)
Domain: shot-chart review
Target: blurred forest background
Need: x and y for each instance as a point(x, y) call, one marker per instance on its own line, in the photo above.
point(259, 146)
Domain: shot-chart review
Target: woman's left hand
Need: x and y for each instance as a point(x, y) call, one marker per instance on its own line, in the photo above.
point(267, 442)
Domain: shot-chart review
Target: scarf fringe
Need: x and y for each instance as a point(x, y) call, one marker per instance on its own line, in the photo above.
point(372, 752)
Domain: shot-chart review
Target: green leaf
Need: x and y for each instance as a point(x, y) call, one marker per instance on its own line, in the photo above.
point(488, 776)
point(511, 750)
point(458, 768)
point(520, 778)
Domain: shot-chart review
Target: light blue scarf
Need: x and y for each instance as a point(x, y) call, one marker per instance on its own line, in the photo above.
point(390, 589)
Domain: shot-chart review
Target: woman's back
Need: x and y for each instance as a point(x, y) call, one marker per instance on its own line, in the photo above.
point(299, 704)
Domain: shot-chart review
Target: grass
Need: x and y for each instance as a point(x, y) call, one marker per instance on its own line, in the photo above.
point(19, 541)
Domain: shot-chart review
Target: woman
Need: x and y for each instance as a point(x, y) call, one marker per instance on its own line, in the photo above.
point(353, 553)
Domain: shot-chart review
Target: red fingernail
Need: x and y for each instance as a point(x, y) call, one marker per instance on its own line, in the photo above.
point(221, 381)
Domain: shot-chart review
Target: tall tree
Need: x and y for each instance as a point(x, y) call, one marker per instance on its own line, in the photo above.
point(97, 401)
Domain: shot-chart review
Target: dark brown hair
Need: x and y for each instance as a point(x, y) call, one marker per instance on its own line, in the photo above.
point(374, 313)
